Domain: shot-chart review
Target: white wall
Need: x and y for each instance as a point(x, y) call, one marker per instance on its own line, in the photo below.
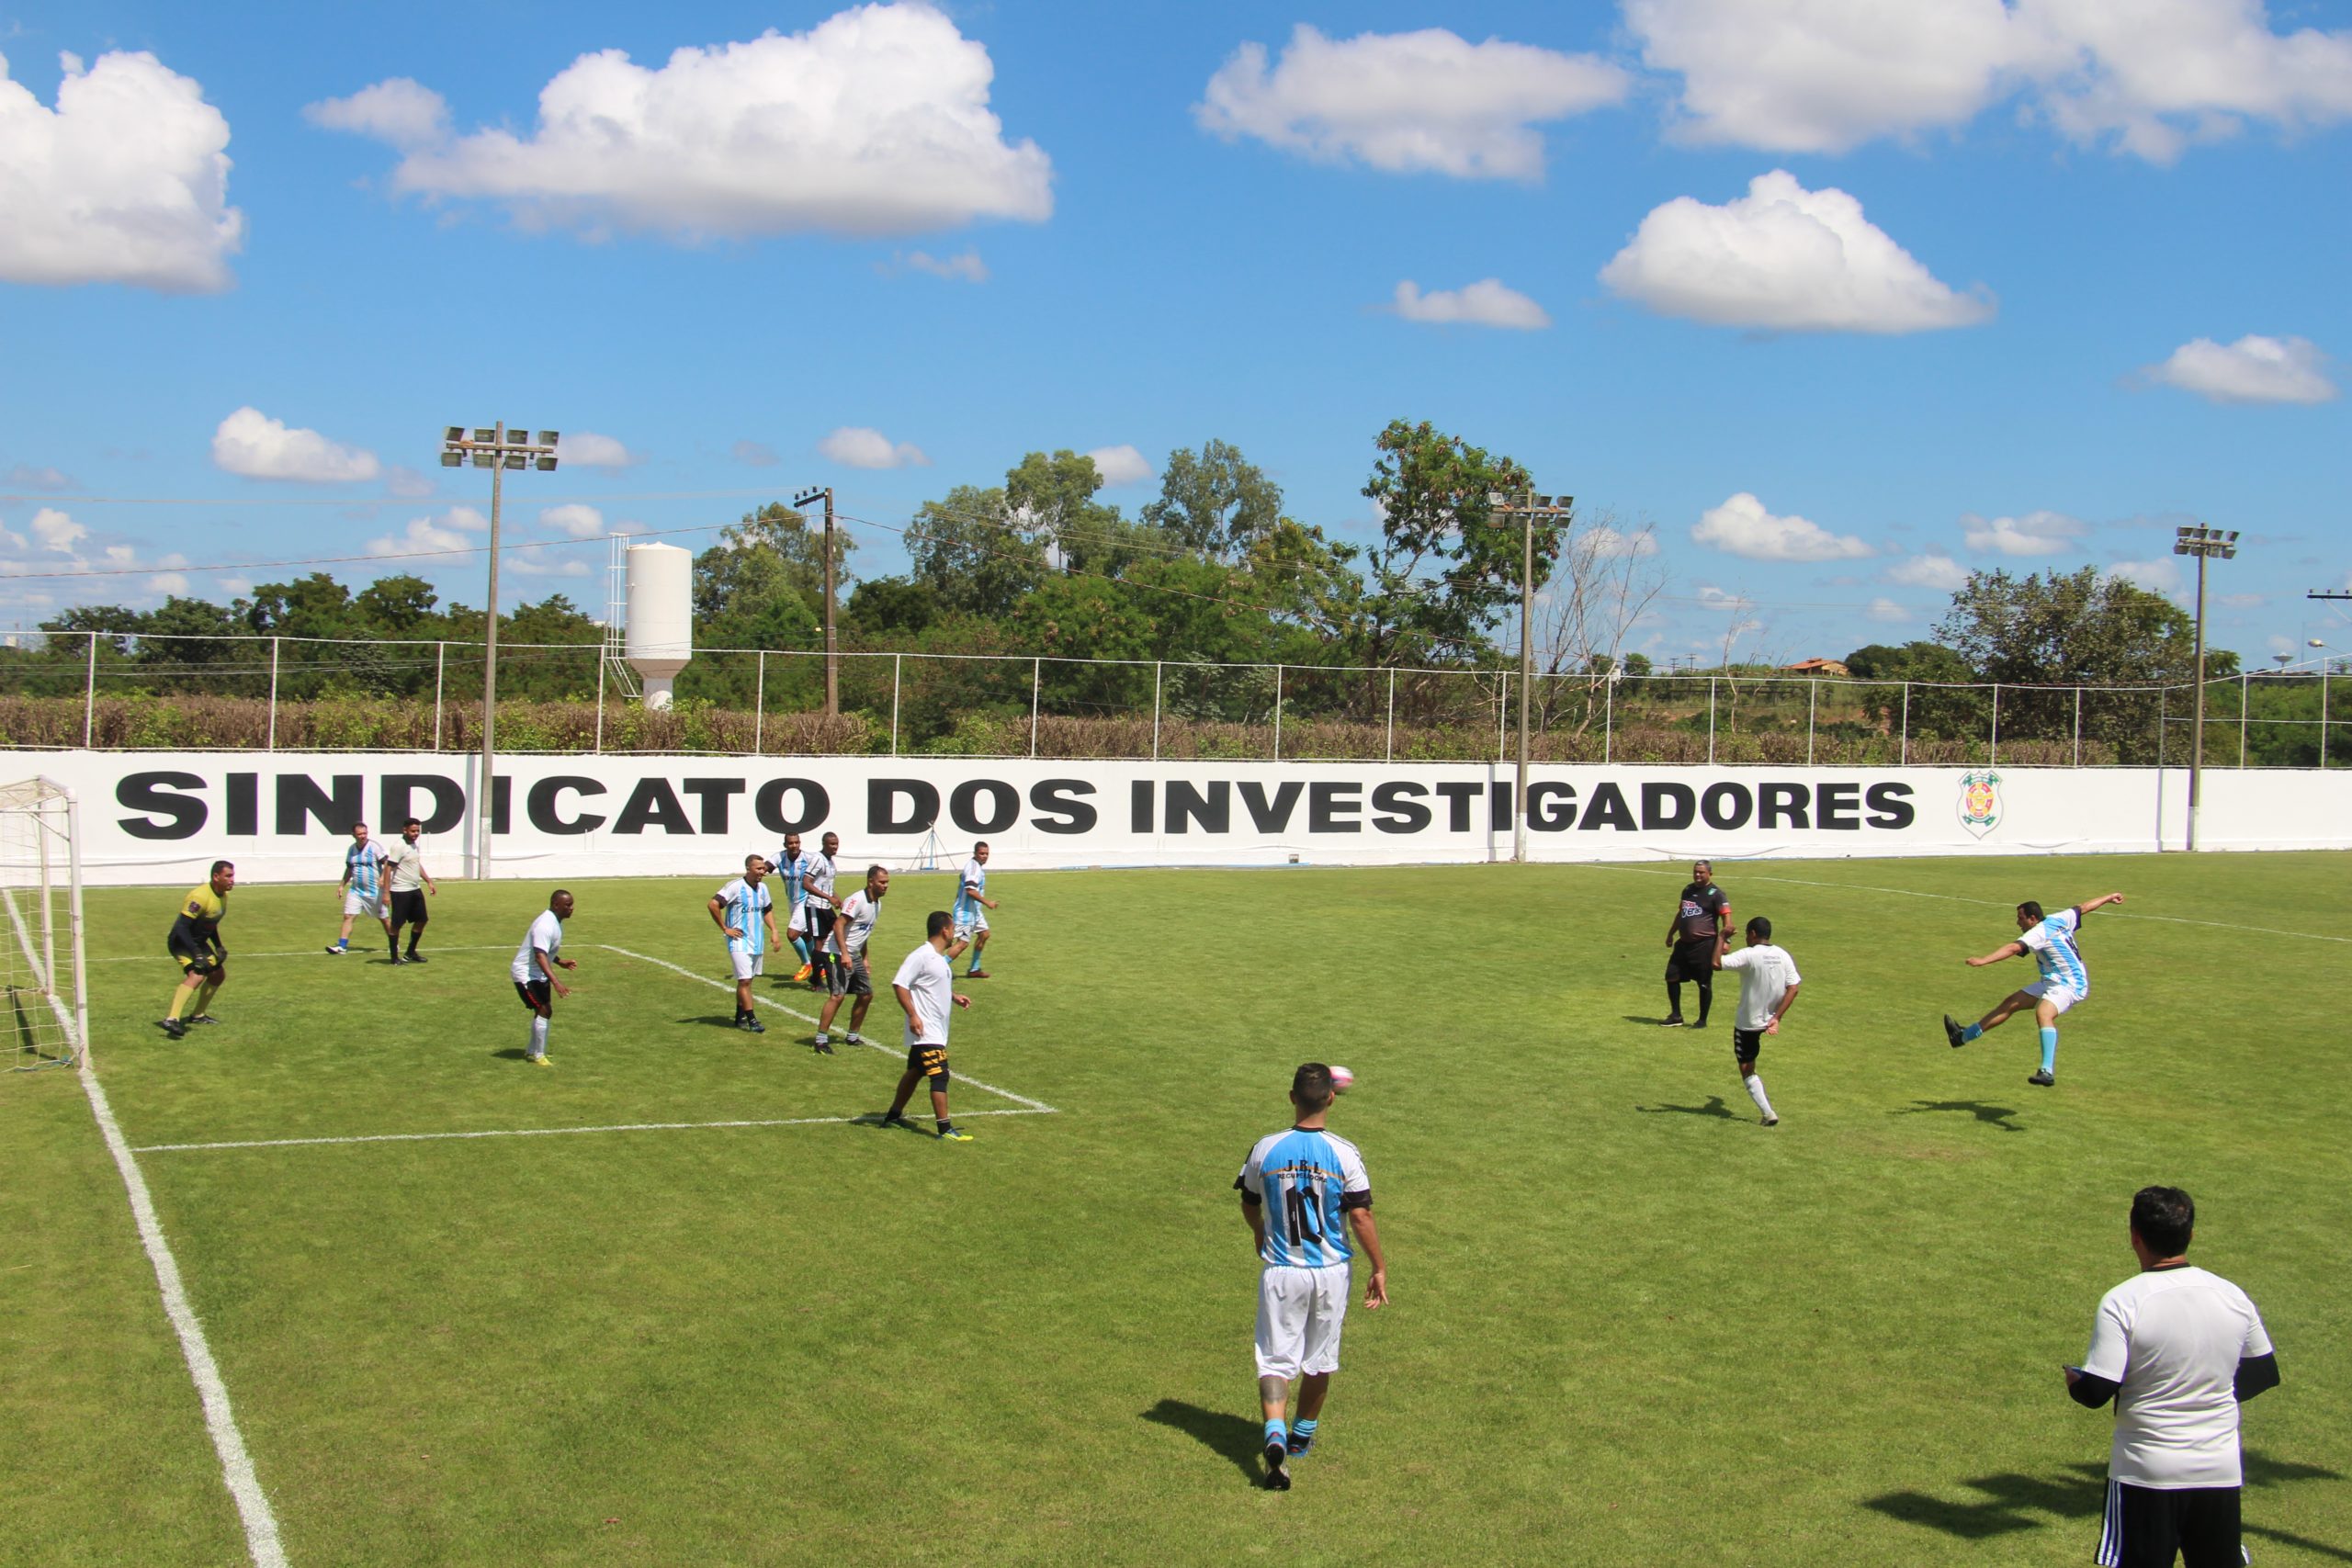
point(161, 817)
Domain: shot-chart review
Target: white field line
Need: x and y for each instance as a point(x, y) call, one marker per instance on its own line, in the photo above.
point(306, 952)
point(529, 1132)
point(1036, 1105)
point(1990, 903)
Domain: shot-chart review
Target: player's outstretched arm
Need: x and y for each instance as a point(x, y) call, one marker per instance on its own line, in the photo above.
point(2087, 905)
point(1375, 1290)
point(2007, 950)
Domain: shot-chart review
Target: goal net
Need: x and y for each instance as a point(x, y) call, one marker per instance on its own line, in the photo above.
point(46, 1014)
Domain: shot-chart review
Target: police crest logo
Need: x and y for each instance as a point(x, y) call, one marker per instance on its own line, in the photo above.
point(1980, 801)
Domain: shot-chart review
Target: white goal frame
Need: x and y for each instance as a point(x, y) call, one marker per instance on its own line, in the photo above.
point(40, 840)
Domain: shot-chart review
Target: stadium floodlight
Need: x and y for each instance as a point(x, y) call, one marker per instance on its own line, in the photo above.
point(484, 461)
point(2205, 543)
point(518, 459)
point(547, 437)
point(546, 464)
point(454, 434)
point(453, 459)
point(482, 434)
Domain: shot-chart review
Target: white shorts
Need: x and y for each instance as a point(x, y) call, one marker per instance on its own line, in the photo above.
point(973, 926)
point(2059, 994)
point(747, 963)
point(353, 904)
point(1299, 1314)
point(798, 925)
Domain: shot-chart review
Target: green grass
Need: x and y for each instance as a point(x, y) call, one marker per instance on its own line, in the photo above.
point(1630, 1325)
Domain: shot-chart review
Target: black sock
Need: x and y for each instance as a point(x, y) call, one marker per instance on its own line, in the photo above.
point(1674, 998)
point(1706, 1000)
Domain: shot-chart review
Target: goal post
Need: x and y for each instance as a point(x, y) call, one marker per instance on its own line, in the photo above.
point(43, 974)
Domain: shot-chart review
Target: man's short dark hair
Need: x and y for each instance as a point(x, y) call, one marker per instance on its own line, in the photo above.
point(981, 845)
point(876, 869)
point(1760, 928)
point(412, 822)
point(937, 922)
point(2164, 1217)
point(2031, 911)
point(221, 866)
point(558, 893)
point(1312, 1087)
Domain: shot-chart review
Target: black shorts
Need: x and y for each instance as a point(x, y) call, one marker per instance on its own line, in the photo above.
point(538, 994)
point(931, 1061)
point(850, 979)
point(2145, 1527)
point(1745, 1043)
point(408, 907)
point(199, 961)
point(1692, 961)
point(821, 923)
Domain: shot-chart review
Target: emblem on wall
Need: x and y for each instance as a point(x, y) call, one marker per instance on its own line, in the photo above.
point(1980, 801)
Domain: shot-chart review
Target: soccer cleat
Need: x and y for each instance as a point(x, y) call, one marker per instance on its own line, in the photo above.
point(955, 1134)
point(2043, 1077)
point(823, 1047)
point(397, 960)
point(539, 1061)
point(1277, 1471)
point(203, 1017)
point(1952, 1032)
point(337, 949)
point(751, 1025)
point(1700, 1024)
point(173, 1028)
point(1300, 1443)
point(415, 956)
point(892, 1119)
point(802, 973)
point(1674, 1022)
point(1771, 1120)
point(975, 974)
point(854, 1038)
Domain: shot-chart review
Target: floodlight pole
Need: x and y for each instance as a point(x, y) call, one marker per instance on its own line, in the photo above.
point(1527, 506)
point(832, 652)
point(2204, 543)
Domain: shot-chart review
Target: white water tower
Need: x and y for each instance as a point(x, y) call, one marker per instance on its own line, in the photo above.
point(660, 617)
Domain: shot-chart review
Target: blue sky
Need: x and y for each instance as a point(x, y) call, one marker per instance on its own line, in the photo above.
point(2084, 281)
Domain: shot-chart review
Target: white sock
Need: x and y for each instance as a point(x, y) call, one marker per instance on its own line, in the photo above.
point(539, 1035)
point(1756, 1093)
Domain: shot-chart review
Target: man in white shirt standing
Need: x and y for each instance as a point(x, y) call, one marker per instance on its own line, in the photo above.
point(2178, 1350)
point(404, 859)
point(1768, 989)
point(819, 906)
point(925, 986)
point(745, 914)
point(851, 931)
point(534, 968)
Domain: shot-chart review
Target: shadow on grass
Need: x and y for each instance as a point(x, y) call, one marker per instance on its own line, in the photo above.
point(1991, 1115)
point(715, 1019)
point(1237, 1437)
point(1652, 1019)
point(1714, 1107)
point(2007, 1502)
point(510, 1054)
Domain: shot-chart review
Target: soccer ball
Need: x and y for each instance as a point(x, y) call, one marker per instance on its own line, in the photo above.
point(1342, 1080)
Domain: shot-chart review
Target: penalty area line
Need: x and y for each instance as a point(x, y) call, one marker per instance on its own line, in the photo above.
point(1038, 1106)
point(533, 1131)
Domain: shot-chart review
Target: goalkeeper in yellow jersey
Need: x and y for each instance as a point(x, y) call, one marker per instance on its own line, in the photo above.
point(196, 942)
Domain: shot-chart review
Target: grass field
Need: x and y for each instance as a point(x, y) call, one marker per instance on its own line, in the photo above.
point(1630, 1325)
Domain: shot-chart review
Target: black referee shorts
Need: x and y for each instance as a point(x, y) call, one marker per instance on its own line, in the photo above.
point(1747, 1045)
point(408, 907)
point(1692, 961)
point(2146, 1528)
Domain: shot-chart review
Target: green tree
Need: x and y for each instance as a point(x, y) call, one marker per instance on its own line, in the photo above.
point(316, 605)
point(401, 605)
point(1217, 504)
point(883, 606)
point(763, 584)
point(973, 554)
point(1446, 566)
point(1052, 498)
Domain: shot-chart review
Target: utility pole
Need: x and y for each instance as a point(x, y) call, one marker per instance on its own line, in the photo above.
point(497, 448)
point(832, 653)
point(1555, 513)
point(2205, 543)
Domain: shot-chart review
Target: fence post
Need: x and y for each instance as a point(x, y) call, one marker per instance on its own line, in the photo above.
point(2242, 693)
point(1711, 720)
point(1156, 672)
point(272, 744)
point(760, 706)
point(440, 666)
point(898, 664)
point(1811, 705)
point(602, 660)
point(1502, 717)
point(1278, 718)
point(1906, 749)
point(2078, 726)
point(1036, 682)
point(90, 697)
point(1388, 751)
point(1995, 761)
point(2163, 700)
point(1608, 715)
point(2323, 714)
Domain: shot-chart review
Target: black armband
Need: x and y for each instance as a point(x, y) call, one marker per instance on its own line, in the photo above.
point(2091, 1391)
point(1355, 1199)
point(2256, 1375)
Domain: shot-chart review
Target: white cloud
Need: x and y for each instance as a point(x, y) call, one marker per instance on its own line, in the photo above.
point(2035, 534)
point(396, 110)
point(579, 521)
point(1786, 259)
point(1884, 609)
point(1941, 573)
point(432, 533)
point(168, 583)
point(2252, 370)
point(404, 483)
point(25, 476)
point(1121, 465)
point(2162, 575)
point(874, 122)
point(124, 182)
point(534, 560)
point(1827, 76)
point(1741, 527)
point(1714, 598)
point(859, 447)
point(56, 532)
point(585, 449)
point(756, 454)
point(1611, 544)
point(252, 443)
point(1406, 102)
point(965, 266)
point(1486, 303)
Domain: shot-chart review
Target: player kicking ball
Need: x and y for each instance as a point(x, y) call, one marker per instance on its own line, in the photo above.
point(2052, 941)
point(1768, 989)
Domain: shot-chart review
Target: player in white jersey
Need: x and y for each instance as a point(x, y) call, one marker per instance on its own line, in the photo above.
point(972, 903)
point(925, 986)
point(2178, 1350)
point(795, 862)
point(1302, 1190)
point(2053, 940)
point(744, 912)
point(534, 968)
point(363, 890)
point(852, 931)
point(1768, 989)
point(411, 882)
point(819, 906)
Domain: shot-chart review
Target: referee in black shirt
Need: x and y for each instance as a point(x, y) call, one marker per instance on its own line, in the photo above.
point(1701, 913)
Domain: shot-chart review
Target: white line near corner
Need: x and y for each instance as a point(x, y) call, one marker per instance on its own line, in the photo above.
point(1038, 1106)
point(527, 1133)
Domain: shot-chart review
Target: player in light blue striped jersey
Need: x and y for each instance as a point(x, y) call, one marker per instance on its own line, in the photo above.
point(789, 868)
point(362, 885)
point(2052, 939)
point(971, 900)
point(745, 913)
point(1302, 1190)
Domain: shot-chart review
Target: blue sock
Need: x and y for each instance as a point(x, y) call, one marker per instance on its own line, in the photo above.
point(802, 948)
point(1275, 1435)
point(2049, 1050)
point(1304, 1430)
point(1973, 1031)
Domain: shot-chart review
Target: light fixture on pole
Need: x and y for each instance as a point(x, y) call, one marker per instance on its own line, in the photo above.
point(2205, 543)
point(832, 656)
point(497, 447)
point(1554, 512)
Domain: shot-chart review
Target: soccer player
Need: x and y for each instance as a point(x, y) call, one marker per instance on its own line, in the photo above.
point(971, 899)
point(925, 986)
point(745, 913)
point(362, 886)
point(791, 868)
point(2178, 1350)
point(850, 977)
point(1295, 1188)
point(820, 906)
point(1768, 989)
point(536, 963)
point(411, 881)
point(195, 941)
point(1701, 920)
point(2065, 981)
